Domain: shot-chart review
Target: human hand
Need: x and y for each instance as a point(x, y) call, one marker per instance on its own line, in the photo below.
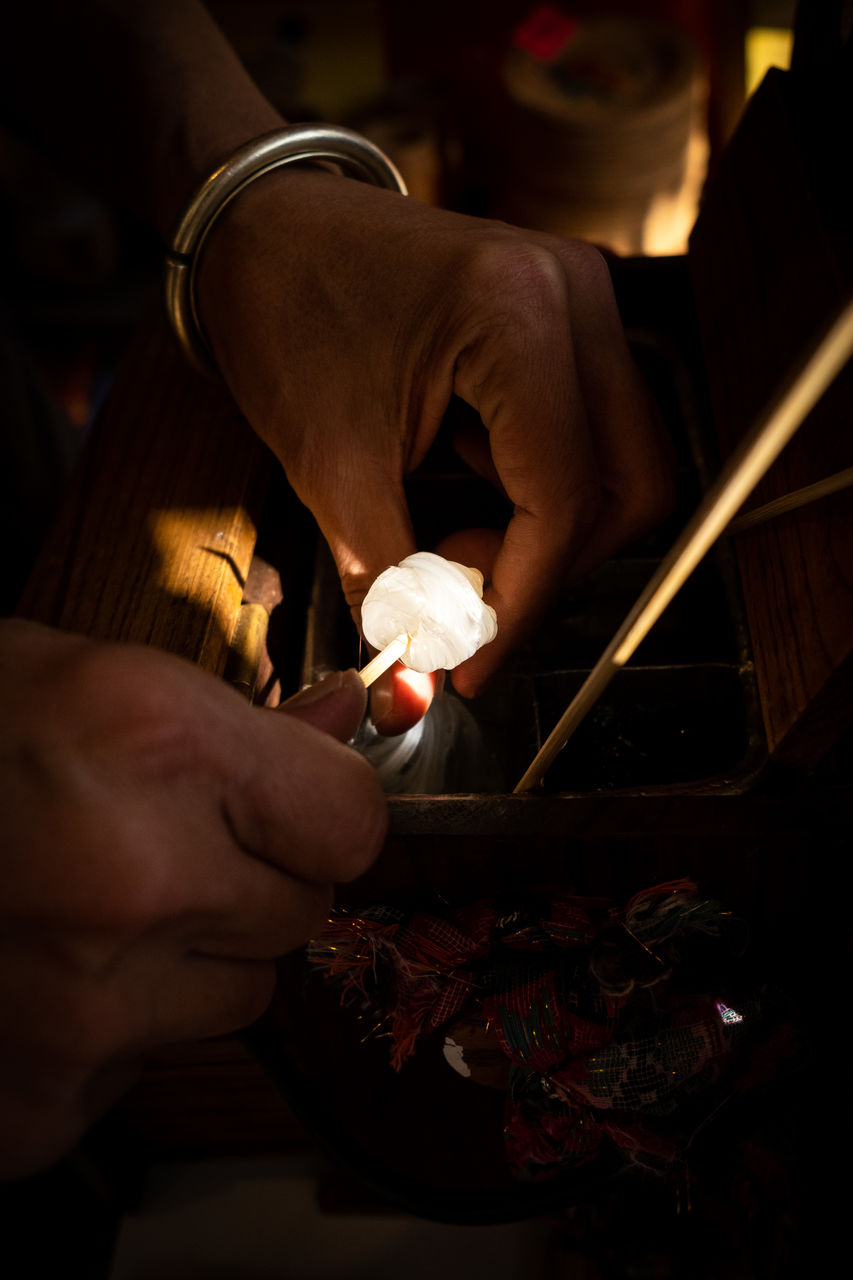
point(343, 318)
point(164, 842)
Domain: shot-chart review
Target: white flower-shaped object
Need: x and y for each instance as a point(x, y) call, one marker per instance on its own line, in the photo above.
point(436, 602)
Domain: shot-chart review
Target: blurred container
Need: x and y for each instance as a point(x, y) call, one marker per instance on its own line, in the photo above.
point(410, 122)
point(605, 133)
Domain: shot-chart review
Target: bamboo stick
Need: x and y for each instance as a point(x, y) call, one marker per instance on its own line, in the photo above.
point(384, 659)
point(752, 458)
point(791, 501)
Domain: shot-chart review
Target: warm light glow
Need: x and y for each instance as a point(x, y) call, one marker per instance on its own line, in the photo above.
point(671, 214)
point(766, 47)
point(421, 684)
point(192, 546)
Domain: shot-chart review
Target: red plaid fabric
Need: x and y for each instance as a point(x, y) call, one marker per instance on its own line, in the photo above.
point(578, 996)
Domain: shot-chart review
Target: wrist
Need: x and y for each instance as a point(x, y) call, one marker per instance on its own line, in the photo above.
point(255, 160)
point(192, 153)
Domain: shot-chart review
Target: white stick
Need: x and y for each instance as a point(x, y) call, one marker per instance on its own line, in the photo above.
point(383, 660)
point(754, 455)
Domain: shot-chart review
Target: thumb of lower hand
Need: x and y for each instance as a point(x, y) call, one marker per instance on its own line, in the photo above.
point(334, 705)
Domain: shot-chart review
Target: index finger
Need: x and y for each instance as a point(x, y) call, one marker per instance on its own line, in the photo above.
point(305, 802)
point(368, 529)
point(290, 794)
point(522, 379)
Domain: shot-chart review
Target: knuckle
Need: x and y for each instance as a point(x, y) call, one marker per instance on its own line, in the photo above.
point(589, 267)
point(519, 274)
point(124, 698)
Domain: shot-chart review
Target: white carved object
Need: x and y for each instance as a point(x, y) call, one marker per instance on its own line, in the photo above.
point(437, 603)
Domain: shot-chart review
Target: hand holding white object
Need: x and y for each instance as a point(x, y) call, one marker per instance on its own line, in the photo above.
point(343, 318)
point(164, 843)
point(437, 603)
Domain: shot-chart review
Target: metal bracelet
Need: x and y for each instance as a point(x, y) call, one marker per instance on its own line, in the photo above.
point(356, 156)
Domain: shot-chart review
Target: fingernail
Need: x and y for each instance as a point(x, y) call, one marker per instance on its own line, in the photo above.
point(325, 688)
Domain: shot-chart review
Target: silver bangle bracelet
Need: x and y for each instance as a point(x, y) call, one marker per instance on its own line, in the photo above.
point(356, 156)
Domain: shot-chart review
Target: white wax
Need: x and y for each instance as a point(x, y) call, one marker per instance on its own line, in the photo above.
point(435, 601)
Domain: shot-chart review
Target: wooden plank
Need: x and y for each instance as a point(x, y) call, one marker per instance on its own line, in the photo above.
point(771, 260)
point(155, 538)
point(153, 545)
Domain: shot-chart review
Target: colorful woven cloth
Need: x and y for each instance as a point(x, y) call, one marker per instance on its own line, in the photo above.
point(599, 1012)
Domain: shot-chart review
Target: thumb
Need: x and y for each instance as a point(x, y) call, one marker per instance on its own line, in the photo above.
point(334, 705)
point(365, 538)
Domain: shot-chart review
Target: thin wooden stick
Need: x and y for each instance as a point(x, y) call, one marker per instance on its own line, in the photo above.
point(790, 501)
point(756, 452)
point(385, 659)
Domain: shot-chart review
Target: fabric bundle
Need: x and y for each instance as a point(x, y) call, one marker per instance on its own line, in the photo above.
point(600, 1016)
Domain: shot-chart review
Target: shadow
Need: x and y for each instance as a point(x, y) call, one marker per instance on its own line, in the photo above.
point(154, 541)
point(230, 561)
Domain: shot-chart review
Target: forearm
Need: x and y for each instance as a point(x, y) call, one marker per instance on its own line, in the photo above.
point(141, 99)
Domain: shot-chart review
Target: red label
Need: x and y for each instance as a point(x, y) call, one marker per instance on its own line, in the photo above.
point(545, 33)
